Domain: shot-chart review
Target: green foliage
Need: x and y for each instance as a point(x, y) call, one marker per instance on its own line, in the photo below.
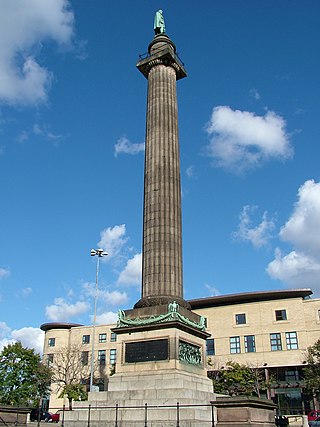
point(23, 378)
point(74, 392)
point(312, 371)
point(237, 379)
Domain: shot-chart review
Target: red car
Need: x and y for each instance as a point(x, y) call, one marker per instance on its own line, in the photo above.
point(312, 415)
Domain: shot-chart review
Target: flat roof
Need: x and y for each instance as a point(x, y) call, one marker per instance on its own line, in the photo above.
point(247, 297)
point(58, 325)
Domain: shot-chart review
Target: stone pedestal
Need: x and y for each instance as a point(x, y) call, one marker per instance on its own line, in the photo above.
point(242, 411)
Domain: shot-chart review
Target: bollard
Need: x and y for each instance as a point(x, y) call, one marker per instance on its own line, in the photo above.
point(89, 415)
point(145, 415)
point(178, 415)
point(116, 422)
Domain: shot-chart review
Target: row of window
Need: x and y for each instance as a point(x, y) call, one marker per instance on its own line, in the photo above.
point(85, 357)
point(86, 339)
point(241, 318)
point(249, 342)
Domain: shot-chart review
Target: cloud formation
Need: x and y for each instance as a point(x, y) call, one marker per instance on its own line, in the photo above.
point(131, 274)
point(112, 240)
point(4, 272)
point(258, 235)
point(24, 26)
point(240, 140)
point(301, 267)
point(124, 146)
point(104, 295)
point(29, 337)
point(61, 311)
point(107, 318)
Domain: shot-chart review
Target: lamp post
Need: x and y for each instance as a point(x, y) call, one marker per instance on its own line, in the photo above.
point(99, 253)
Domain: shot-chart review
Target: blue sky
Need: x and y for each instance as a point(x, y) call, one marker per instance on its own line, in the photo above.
point(72, 128)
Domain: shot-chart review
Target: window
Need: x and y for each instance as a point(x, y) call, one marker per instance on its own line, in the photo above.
point(113, 337)
point(318, 314)
point(102, 357)
point(235, 345)
point(281, 315)
point(249, 344)
point(102, 337)
point(275, 342)
point(210, 347)
point(84, 357)
point(85, 339)
point(51, 342)
point(49, 359)
point(113, 356)
point(292, 340)
point(241, 319)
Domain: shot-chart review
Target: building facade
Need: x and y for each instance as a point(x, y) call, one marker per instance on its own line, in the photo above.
point(267, 330)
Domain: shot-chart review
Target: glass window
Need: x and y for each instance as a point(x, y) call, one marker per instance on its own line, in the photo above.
point(291, 340)
point(102, 357)
point(85, 339)
point(113, 337)
point(250, 344)
point(235, 345)
point(51, 342)
point(241, 319)
point(281, 314)
point(113, 356)
point(49, 359)
point(102, 337)
point(84, 357)
point(275, 342)
point(210, 346)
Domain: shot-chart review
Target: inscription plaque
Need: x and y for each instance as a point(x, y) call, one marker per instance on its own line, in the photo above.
point(146, 351)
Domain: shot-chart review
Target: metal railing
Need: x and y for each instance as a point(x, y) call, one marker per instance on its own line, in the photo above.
point(145, 415)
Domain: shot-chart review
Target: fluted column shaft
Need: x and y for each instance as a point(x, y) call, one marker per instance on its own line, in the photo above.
point(162, 236)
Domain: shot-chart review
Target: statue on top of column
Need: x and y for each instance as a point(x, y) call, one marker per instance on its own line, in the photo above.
point(159, 27)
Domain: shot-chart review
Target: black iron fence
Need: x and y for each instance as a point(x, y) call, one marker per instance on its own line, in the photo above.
point(117, 411)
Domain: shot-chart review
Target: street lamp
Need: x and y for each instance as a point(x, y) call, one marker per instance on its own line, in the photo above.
point(99, 253)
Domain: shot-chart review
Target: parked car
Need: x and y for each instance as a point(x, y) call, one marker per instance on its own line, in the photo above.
point(312, 415)
point(44, 416)
point(314, 423)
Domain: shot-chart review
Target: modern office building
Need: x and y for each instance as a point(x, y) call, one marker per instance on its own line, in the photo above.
point(267, 330)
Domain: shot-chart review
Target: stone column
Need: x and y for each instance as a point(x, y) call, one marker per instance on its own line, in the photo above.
point(162, 233)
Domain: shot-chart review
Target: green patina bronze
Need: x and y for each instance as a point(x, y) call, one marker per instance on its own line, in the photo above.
point(159, 26)
point(172, 314)
point(189, 353)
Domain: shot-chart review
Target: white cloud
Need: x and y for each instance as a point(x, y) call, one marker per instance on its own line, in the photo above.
point(301, 267)
point(240, 140)
point(258, 235)
point(30, 337)
point(255, 94)
point(45, 132)
point(24, 26)
point(4, 272)
point(125, 146)
point(131, 275)
point(108, 297)
point(62, 311)
point(212, 290)
point(190, 171)
point(107, 318)
point(112, 240)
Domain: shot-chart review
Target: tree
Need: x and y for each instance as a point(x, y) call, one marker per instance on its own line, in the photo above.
point(237, 379)
point(23, 378)
point(312, 372)
point(74, 392)
point(69, 368)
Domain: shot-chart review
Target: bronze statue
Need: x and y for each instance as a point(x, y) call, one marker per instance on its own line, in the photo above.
point(159, 27)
